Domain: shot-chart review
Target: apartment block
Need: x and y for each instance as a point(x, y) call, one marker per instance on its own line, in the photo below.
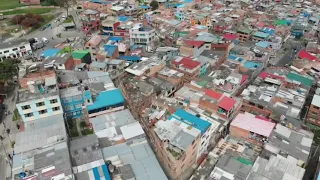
point(187, 66)
point(138, 94)
point(40, 100)
point(313, 115)
point(93, 45)
point(141, 35)
point(176, 145)
point(251, 128)
point(244, 34)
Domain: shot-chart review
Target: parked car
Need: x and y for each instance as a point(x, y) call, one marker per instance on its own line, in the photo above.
point(45, 40)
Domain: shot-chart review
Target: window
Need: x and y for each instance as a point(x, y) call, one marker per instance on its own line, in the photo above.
point(67, 99)
point(78, 106)
point(316, 107)
point(252, 104)
point(77, 98)
point(52, 101)
point(68, 108)
point(56, 108)
point(25, 107)
point(14, 49)
point(28, 115)
point(6, 51)
point(43, 111)
point(314, 113)
point(22, 47)
point(40, 104)
point(259, 106)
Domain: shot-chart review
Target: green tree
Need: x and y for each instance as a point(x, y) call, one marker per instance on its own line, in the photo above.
point(65, 4)
point(83, 124)
point(8, 69)
point(154, 4)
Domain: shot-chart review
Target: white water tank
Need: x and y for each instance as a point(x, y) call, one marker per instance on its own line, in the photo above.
point(31, 86)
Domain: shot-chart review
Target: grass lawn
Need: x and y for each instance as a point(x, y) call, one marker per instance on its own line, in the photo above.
point(73, 128)
point(9, 4)
point(86, 131)
point(28, 10)
point(16, 115)
point(68, 20)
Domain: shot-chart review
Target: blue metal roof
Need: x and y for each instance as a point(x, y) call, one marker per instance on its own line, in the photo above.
point(106, 99)
point(116, 38)
point(176, 5)
point(192, 120)
point(268, 30)
point(106, 172)
point(96, 173)
point(263, 44)
point(130, 58)
point(123, 18)
point(232, 57)
point(144, 7)
point(251, 65)
point(110, 49)
point(50, 52)
point(261, 34)
point(101, 1)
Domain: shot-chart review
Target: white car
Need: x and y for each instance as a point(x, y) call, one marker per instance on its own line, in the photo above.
point(45, 40)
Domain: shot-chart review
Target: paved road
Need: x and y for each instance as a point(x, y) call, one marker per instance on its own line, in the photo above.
point(56, 28)
point(290, 55)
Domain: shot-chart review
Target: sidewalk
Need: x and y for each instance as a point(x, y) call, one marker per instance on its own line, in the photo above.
point(10, 102)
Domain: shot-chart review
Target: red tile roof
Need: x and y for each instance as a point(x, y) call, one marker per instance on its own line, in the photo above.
point(260, 24)
point(230, 37)
point(303, 54)
point(213, 94)
point(263, 75)
point(227, 103)
point(194, 43)
point(187, 63)
point(271, 26)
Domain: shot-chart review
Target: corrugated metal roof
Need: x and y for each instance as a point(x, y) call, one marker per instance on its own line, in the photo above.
point(251, 123)
point(141, 158)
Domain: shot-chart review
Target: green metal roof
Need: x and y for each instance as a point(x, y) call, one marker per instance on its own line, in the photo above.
point(181, 33)
point(244, 30)
point(79, 54)
point(280, 22)
point(305, 80)
point(202, 83)
point(245, 161)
